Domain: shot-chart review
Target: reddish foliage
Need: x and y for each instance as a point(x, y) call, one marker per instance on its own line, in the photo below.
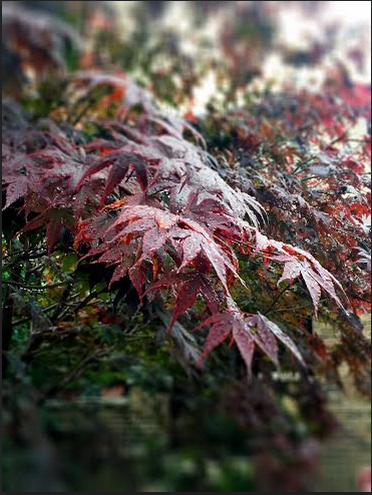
point(169, 221)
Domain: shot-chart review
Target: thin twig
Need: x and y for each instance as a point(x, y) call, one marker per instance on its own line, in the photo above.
point(74, 373)
point(33, 287)
point(339, 138)
point(277, 299)
point(290, 310)
point(25, 255)
point(302, 164)
point(305, 179)
point(28, 318)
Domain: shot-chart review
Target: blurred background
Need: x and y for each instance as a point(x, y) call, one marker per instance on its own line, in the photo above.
point(192, 56)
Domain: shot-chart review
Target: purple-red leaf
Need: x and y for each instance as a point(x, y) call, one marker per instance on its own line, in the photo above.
point(246, 345)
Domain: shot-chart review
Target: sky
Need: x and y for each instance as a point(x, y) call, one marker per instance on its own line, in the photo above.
point(351, 12)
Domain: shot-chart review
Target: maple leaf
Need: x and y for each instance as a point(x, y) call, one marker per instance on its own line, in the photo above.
point(187, 293)
point(124, 90)
point(300, 263)
point(211, 213)
point(47, 176)
point(16, 188)
point(249, 333)
point(152, 230)
point(264, 325)
point(263, 338)
point(18, 174)
point(55, 221)
point(120, 163)
point(185, 341)
point(63, 162)
point(187, 287)
point(88, 199)
point(246, 345)
point(157, 226)
point(221, 327)
point(187, 168)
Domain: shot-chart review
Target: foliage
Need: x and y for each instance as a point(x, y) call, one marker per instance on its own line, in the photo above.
point(138, 242)
point(33, 45)
point(174, 224)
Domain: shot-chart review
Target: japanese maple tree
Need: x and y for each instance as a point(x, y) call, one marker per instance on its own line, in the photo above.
point(146, 201)
point(231, 229)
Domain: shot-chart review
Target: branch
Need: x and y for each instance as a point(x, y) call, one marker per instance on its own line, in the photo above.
point(74, 373)
point(290, 310)
point(302, 164)
point(28, 318)
point(33, 287)
point(277, 299)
